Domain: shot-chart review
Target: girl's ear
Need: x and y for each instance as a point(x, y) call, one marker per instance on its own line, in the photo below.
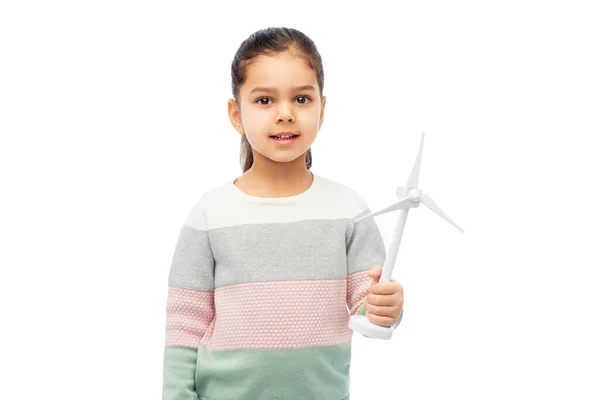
point(323, 101)
point(234, 116)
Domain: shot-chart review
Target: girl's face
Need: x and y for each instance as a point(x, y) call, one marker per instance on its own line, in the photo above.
point(280, 94)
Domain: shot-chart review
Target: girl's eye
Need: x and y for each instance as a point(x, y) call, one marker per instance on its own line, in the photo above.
point(265, 100)
point(261, 101)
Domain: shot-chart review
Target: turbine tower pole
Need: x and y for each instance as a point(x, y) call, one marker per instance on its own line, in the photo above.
point(390, 259)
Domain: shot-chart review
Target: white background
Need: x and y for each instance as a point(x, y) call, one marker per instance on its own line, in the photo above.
point(113, 122)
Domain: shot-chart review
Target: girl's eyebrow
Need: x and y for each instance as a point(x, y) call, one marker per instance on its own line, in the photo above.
point(269, 89)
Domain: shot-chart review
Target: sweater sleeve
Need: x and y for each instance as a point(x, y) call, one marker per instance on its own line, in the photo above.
point(190, 306)
point(364, 249)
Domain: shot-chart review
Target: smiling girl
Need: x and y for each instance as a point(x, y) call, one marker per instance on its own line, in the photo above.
point(269, 266)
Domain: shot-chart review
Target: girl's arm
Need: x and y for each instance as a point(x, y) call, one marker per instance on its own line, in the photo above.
point(364, 249)
point(190, 306)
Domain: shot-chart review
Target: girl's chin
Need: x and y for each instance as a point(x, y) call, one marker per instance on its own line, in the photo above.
point(283, 156)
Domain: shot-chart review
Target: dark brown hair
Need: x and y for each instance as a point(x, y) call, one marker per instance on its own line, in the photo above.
point(269, 41)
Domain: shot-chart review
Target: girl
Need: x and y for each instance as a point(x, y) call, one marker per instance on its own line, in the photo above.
point(269, 266)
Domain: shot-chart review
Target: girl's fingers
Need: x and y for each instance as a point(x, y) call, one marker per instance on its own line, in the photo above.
point(382, 311)
point(388, 288)
point(381, 300)
point(379, 320)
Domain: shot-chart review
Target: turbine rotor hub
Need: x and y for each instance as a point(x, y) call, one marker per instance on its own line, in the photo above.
point(414, 194)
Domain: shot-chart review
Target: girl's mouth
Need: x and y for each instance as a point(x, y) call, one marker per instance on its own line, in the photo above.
point(284, 139)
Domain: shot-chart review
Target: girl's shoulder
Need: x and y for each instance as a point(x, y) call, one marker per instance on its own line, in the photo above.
point(337, 190)
point(324, 187)
point(343, 200)
point(197, 215)
point(326, 197)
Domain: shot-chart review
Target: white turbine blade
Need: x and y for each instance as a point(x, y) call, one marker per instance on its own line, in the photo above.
point(401, 192)
point(413, 180)
point(396, 206)
point(428, 201)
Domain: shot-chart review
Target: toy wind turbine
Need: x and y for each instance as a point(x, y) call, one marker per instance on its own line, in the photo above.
point(410, 197)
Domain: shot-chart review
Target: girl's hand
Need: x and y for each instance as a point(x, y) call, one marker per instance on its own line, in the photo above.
point(385, 301)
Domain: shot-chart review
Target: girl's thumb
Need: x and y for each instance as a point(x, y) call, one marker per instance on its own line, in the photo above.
point(375, 273)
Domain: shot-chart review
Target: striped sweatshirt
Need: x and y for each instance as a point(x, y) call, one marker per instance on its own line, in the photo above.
point(260, 292)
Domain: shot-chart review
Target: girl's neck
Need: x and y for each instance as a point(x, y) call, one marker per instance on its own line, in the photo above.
point(271, 179)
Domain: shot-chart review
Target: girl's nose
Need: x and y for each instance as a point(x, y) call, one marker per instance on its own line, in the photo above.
point(285, 113)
